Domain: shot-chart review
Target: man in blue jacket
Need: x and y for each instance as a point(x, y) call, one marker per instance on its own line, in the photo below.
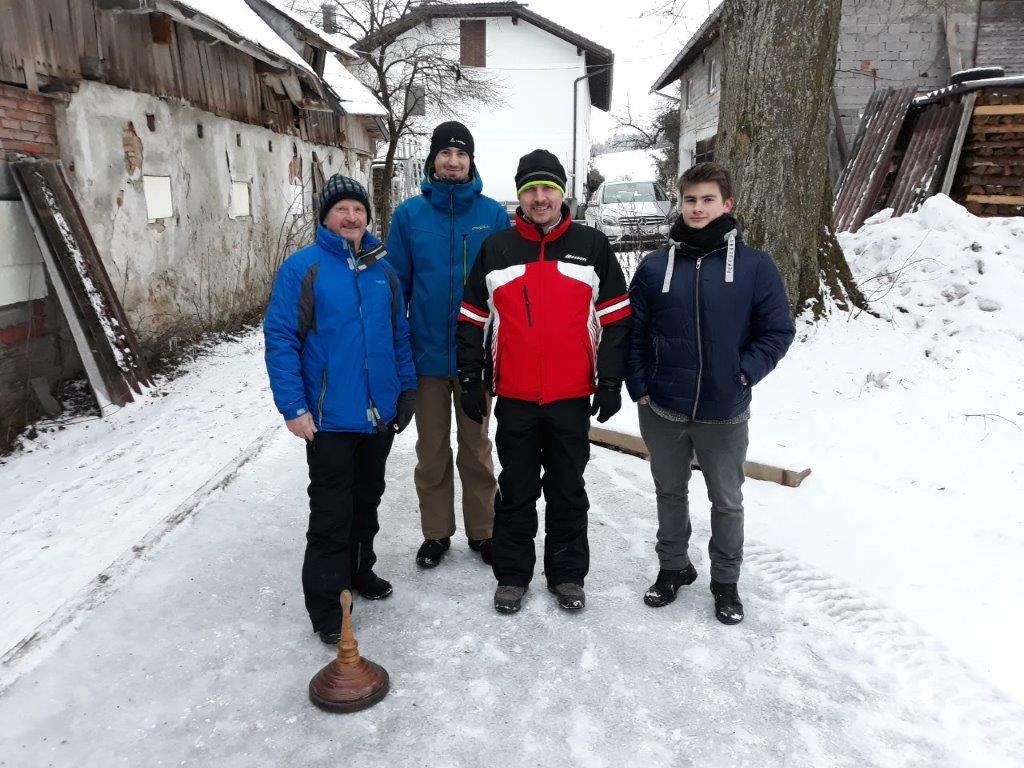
point(340, 367)
point(432, 244)
point(710, 320)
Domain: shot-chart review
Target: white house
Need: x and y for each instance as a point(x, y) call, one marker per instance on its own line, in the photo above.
point(548, 79)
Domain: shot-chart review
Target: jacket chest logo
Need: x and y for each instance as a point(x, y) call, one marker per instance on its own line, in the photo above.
point(573, 257)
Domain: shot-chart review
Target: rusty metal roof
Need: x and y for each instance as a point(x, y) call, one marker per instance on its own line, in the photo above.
point(870, 164)
point(924, 160)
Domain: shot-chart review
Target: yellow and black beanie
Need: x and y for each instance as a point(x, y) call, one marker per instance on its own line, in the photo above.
point(540, 167)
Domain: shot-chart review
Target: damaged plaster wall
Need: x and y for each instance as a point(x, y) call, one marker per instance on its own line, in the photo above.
point(198, 268)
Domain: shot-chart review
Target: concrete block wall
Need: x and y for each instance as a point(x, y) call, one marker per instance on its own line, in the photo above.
point(897, 43)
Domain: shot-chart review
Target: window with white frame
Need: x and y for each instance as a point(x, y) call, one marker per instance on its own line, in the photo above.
point(159, 204)
point(240, 204)
point(712, 75)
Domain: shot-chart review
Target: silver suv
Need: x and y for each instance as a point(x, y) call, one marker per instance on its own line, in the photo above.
point(633, 213)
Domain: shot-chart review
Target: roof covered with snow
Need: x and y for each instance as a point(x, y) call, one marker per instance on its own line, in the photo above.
point(355, 98)
point(240, 21)
point(332, 41)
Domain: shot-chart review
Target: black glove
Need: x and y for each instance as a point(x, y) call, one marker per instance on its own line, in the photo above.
point(474, 402)
point(607, 399)
point(406, 409)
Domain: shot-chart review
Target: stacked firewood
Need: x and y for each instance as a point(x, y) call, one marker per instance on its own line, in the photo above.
point(990, 178)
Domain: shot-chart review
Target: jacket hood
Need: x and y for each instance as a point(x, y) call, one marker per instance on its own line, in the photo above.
point(442, 194)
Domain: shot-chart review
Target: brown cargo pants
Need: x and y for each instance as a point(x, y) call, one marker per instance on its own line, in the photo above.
point(435, 476)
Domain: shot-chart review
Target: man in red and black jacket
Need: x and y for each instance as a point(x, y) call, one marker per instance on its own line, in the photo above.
point(544, 324)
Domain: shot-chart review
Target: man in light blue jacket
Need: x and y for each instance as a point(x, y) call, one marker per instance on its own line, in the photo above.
point(432, 244)
point(340, 367)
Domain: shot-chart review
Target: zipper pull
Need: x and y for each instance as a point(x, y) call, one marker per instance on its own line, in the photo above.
point(698, 263)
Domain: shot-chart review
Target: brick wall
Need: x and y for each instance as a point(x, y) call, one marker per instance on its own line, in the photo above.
point(27, 123)
point(33, 337)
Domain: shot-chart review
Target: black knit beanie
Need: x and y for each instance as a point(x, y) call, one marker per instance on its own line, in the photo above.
point(343, 188)
point(540, 167)
point(450, 134)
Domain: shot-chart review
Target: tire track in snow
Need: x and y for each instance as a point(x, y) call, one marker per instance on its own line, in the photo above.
point(923, 666)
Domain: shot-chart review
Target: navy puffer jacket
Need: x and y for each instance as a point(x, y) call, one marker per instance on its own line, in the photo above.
point(701, 324)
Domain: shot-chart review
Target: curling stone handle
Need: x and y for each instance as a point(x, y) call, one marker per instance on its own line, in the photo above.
point(348, 648)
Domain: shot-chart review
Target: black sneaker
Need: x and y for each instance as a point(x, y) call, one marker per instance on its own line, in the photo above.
point(371, 586)
point(484, 546)
point(432, 551)
point(663, 590)
point(728, 608)
point(570, 596)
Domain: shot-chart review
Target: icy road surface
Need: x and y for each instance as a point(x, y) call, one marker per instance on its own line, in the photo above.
point(203, 656)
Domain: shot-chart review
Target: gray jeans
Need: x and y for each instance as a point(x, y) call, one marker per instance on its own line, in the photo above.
point(721, 450)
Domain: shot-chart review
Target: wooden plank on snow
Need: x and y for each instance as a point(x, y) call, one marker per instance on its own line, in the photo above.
point(105, 341)
point(755, 470)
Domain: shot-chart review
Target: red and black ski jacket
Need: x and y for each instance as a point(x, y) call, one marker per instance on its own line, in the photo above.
point(544, 316)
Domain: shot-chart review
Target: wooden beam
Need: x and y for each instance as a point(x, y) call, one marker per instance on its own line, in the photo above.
point(635, 446)
point(958, 143)
point(996, 199)
point(1000, 109)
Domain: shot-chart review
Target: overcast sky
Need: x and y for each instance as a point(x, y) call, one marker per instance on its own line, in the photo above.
point(644, 45)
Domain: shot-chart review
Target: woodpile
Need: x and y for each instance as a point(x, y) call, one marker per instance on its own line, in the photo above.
point(990, 176)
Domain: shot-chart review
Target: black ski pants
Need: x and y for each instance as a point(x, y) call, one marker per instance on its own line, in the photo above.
point(531, 438)
point(346, 482)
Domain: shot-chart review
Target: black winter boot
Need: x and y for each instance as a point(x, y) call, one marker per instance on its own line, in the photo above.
point(371, 586)
point(484, 546)
point(728, 608)
point(432, 551)
point(663, 590)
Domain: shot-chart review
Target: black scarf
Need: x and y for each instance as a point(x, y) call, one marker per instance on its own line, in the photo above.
point(697, 242)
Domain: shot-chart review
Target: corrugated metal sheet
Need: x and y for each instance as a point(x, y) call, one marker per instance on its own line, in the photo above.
point(869, 165)
point(924, 159)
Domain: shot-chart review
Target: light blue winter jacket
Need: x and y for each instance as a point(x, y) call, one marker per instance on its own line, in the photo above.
point(432, 244)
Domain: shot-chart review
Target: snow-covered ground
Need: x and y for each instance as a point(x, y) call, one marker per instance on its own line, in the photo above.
point(882, 595)
point(79, 498)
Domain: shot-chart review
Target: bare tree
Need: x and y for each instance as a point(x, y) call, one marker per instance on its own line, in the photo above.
point(780, 60)
point(409, 68)
point(659, 131)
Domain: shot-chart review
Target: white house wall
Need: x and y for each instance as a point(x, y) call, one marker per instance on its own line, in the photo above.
point(536, 71)
point(200, 268)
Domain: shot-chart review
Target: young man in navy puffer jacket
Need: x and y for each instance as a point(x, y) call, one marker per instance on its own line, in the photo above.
point(710, 320)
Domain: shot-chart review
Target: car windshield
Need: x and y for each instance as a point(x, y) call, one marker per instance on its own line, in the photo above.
point(634, 192)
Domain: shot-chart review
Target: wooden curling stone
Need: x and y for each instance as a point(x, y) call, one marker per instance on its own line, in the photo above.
point(349, 683)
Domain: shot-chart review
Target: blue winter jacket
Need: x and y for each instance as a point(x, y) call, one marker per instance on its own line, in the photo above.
point(432, 244)
point(695, 333)
point(337, 341)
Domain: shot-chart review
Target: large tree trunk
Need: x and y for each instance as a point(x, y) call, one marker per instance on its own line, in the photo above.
point(779, 63)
